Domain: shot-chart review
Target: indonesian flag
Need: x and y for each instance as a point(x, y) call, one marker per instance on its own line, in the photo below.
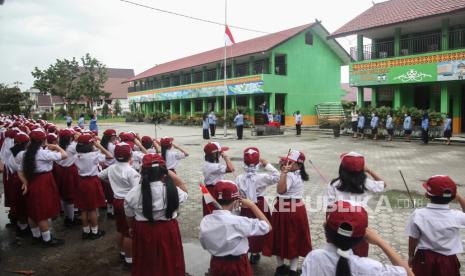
point(228, 37)
point(209, 200)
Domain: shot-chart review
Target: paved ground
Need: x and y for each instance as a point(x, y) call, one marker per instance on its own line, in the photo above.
point(416, 161)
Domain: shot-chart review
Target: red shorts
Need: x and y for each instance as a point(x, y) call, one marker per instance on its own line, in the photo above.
point(230, 266)
point(120, 217)
point(430, 263)
point(90, 193)
point(42, 198)
point(256, 243)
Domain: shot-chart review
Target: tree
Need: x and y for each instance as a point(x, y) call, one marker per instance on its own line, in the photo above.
point(105, 110)
point(92, 79)
point(12, 100)
point(117, 107)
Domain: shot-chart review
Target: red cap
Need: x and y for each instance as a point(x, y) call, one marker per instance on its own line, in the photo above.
point(214, 147)
point(109, 132)
point(21, 138)
point(51, 128)
point(166, 141)
point(440, 185)
point(226, 190)
point(16, 124)
point(77, 129)
point(146, 140)
point(66, 133)
point(23, 128)
point(251, 156)
point(37, 135)
point(353, 162)
point(51, 137)
point(85, 139)
point(122, 151)
point(294, 156)
point(11, 133)
point(342, 212)
point(152, 160)
point(127, 136)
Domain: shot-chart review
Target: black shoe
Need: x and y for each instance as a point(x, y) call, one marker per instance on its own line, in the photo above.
point(121, 258)
point(85, 236)
point(294, 273)
point(99, 234)
point(254, 258)
point(70, 223)
point(37, 240)
point(282, 270)
point(52, 243)
point(23, 233)
point(110, 216)
point(127, 266)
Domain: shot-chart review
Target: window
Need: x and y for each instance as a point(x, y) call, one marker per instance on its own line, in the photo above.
point(228, 72)
point(242, 69)
point(166, 82)
point(261, 67)
point(197, 77)
point(186, 78)
point(211, 75)
point(280, 65)
point(309, 38)
point(175, 80)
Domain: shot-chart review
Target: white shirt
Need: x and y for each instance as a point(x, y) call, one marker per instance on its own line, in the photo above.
point(11, 164)
point(270, 118)
point(222, 233)
point(253, 184)
point(87, 163)
point(295, 186)
point(298, 118)
point(213, 172)
point(133, 202)
point(44, 160)
point(323, 262)
point(172, 158)
point(437, 228)
point(122, 178)
point(136, 162)
point(71, 152)
point(5, 152)
point(111, 149)
point(354, 116)
point(151, 150)
point(372, 186)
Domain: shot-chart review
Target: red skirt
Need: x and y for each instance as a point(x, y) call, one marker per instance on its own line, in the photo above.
point(67, 179)
point(42, 198)
point(208, 209)
point(221, 266)
point(6, 187)
point(107, 190)
point(157, 249)
point(256, 243)
point(361, 249)
point(120, 217)
point(18, 200)
point(290, 237)
point(90, 193)
point(430, 263)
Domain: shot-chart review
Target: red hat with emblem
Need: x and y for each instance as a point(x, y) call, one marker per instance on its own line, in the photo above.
point(21, 138)
point(153, 160)
point(214, 147)
point(37, 134)
point(294, 156)
point(226, 190)
point(127, 136)
point(440, 185)
point(122, 151)
point(349, 220)
point(251, 156)
point(353, 162)
point(51, 137)
point(166, 141)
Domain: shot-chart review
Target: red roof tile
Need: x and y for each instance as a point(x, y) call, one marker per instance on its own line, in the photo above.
point(115, 85)
point(255, 45)
point(398, 11)
point(44, 100)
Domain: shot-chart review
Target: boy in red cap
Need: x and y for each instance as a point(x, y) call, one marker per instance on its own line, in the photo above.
point(434, 231)
point(346, 226)
point(354, 184)
point(253, 185)
point(122, 178)
point(150, 144)
point(225, 235)
point(212, 170)
point(171, 156)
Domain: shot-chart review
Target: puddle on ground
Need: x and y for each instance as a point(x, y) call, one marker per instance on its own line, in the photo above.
point(197, 259)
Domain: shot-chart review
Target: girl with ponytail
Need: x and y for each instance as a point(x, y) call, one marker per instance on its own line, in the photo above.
point(151, 209)
point(346, 226)
point(172, 153)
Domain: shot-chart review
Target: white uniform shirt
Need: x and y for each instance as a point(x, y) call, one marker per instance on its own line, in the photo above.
point(87, 163)
point(298, 119)
point(323, 262)
point(222, 233)
point(111, 149)
point(253, 185)
point(372, 186)
point(172, 158)
point(295, 186)
point(137, 159)
point(11, 164)
point(5, 152)
point(151, 150)
point(71, 152)
point(122, 178)
point(133, 202)
point(437, 228)
point(44, 160)
point(213, 172)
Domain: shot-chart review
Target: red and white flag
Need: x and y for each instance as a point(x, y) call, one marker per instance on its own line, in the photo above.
point(228, 37)
point(209, 199)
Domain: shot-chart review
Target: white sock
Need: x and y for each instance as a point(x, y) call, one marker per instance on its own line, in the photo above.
point(94, 230)
point(86, 229)
point(110, 209)
point(35, 232)
point(21, 226)
point(128, 260)
point(294, 263)
point(46, 236)
point(280, 261)
point(69, 211)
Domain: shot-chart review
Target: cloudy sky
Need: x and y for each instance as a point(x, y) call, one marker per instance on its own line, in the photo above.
point(36, 32)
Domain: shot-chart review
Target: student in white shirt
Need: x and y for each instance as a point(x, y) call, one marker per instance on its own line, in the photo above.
point(151, 210)
point(434, 231)
point(354, 121)
point(290, 237)
point(122, 178)
point(108, 142)
point(298, 122)
point(138, 150)
point(253, 185)
point(171, 156)
point(43, 198)
point(150, 144)
point(90, 192)
point(5, 154)
point(354, 184)
point(346, 226)
point(213, 170)
point(224, 235)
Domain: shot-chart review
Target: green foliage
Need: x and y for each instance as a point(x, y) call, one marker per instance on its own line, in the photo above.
point(12, 101)
point(105, 110)
point(117, 108)
point(92, 79)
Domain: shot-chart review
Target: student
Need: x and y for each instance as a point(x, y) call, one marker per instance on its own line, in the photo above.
point(252, 185)
point(361, 125)
point(239, 122)
point(138, 150)
point(425, 128)
point(122, 178)
point(354, 119)
point(408, 127)
point(212, 123)
point(374, 125)
point(108, 142)
point(5, 154)
point(290, 237)
point(224, 234)
point(67, 177)
point(81, 122)
point(434, 231)
point(69, 120)
point(270, 117)
point(205, 126)
point(448, 128)
point(354, 185)
point(43, 198)
point(93, 124)
point(52, 138)
point(150, 144)
point(278, 117)
point(212, 170)
point(389, 126)
point(346, 226)
point(171, 153)
point(90, 192)
point(151, 210)
point(298, 122)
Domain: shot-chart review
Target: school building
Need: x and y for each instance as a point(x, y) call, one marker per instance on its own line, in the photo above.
point(291, 70)
point(415, 57)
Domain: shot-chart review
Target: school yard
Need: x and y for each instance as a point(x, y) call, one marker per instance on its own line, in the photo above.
point(388, 213)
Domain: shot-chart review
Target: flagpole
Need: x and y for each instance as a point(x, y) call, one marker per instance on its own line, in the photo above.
point(225, 71)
